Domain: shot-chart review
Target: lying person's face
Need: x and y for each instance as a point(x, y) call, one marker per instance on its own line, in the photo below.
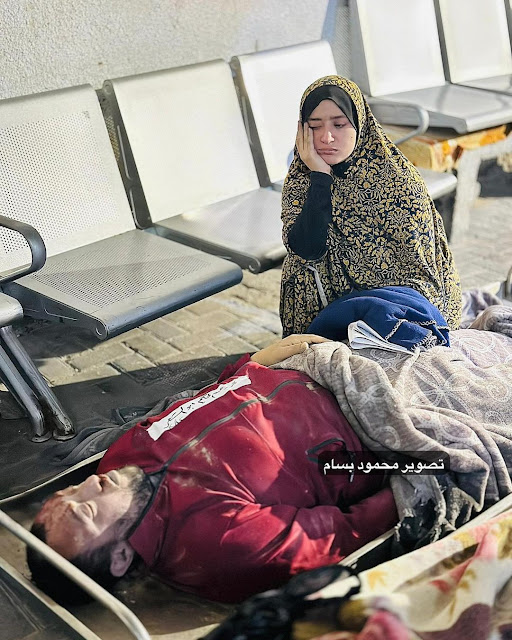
point(83, 517)
point(334, 138)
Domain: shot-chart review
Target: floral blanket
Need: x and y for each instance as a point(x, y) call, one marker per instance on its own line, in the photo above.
point(457, 588)
point(455, 400)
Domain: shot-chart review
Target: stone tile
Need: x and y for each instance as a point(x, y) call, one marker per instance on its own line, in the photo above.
point(268, 280)
point(43, 340)
point(202, 351)
point(132, 362)
point(233, 345)
point(208, 305)
point(263, 339)
point(199, 324)
point(92, 374)
point(138, 368)
point(260, 299)
point(243, 327)
point(192, 340)
point(101, 354)
point(163, 329)
point(128, 335)
point(252, 333)
point(151, 347)
point(263, 318)
point(179, 316)
point(55, 370)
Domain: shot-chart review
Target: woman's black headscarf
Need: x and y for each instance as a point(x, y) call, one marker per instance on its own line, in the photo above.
point(330, 92)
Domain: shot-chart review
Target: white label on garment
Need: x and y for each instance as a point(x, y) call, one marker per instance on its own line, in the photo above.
point(169, 421)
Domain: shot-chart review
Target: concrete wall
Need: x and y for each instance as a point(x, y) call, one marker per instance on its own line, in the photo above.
point(49, 44)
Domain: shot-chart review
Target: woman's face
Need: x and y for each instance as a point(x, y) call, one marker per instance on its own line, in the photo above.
point(334, 138)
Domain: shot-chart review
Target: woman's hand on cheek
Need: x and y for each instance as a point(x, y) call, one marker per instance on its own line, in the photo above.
point(307, 151)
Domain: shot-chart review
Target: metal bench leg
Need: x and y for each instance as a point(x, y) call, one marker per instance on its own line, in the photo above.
point(466, 193)
point(63, 426)
point(24, 396)
point(507, 286)
point(467, 182)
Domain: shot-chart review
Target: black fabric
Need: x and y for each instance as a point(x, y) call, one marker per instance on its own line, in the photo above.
point(308, 236)
point(330, 92)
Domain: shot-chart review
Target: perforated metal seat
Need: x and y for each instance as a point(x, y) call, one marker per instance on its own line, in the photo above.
point(270, 85)
point(59, 174)
point(396, 56)
point(120, 282)
point(187, 165)
point(475, 43)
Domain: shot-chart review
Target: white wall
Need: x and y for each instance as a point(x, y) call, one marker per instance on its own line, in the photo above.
point(49, 44)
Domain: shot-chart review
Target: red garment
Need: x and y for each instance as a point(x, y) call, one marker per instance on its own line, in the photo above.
point(242, 505)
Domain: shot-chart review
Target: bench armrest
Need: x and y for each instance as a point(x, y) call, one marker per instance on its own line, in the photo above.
point(34, 241)
point(384, 112)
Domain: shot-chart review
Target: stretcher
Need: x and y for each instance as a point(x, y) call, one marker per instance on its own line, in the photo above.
point(184, 617)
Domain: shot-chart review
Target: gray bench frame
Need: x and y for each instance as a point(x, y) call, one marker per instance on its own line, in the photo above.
point(242, 221)
point(17, 369)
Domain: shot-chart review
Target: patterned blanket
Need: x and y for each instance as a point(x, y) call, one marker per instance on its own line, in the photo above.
point(457, 588)
point(455, 400)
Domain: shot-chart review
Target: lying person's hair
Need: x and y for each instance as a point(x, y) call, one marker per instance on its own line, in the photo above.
point(96, 564)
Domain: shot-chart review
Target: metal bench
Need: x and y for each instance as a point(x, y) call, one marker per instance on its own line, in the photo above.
point(187, 166)
point(18, 372)
point(396, 56)
point(270, 85)
point(59, 174)
point(475, 43)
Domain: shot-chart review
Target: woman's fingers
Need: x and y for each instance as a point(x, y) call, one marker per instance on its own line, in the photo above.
point(288, 350)
point(309, 139)
point(290, 346)
point(309, 338)
point(300, 138)
point(307, 152)
point(294, 344)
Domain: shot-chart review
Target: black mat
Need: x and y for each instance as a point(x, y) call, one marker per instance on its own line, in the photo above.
point(27, 465)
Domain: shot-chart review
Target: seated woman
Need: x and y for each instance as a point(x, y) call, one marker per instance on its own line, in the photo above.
point(356, 213)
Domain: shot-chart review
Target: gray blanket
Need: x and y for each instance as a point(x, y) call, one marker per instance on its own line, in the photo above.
point(457, 400)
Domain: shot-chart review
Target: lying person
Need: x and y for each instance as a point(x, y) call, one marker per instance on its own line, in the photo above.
point(221, 495)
